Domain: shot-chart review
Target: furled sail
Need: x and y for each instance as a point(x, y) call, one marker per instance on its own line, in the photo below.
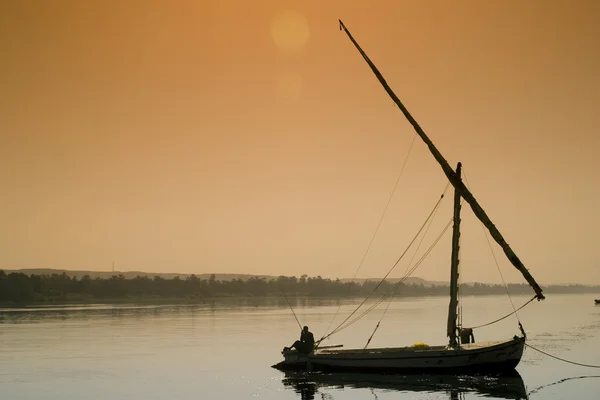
point(451, 175)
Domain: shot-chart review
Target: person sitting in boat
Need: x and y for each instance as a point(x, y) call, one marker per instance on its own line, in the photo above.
point(466, 336)
point(305, 345)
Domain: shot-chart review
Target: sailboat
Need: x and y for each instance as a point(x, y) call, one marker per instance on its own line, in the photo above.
point(459, 355)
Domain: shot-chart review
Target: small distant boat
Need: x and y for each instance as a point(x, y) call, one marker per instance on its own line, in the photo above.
point(597, 301)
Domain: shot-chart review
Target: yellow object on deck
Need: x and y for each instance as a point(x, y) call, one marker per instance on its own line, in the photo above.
point(420, 345)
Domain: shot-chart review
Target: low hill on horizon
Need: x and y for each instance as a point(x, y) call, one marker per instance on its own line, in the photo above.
point(218, 276)
point(411, 280)
point(228, 277)
point(132, 274)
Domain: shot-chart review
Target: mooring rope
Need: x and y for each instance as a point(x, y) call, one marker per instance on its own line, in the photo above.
point(533, 391)
point(562, 359)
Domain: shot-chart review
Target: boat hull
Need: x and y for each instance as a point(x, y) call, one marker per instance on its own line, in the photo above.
point(476, 358)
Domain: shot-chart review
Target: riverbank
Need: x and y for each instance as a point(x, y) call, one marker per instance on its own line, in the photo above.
point(224, 299)
point(19, 288)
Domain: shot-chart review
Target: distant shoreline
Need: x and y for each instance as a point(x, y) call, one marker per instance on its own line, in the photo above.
point(20, 288)
point(235, 276)
point(294, 300)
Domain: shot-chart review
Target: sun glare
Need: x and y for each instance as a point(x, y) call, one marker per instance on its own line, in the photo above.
point(290, 30)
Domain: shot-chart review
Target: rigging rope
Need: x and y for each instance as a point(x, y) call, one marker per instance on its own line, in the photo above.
point(391, 292)
point(345, 324)
point(397, 286)
point(515, 310)
point(437, 204)
point(410, 273)
point(289, 304)
point(496, 262)
point(562, 359)
point(506, 316)
point(376, 229)
point(403, 278)
point(433, 211)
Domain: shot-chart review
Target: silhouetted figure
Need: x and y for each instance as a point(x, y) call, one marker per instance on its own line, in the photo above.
point(306, 343)
point(466, 336)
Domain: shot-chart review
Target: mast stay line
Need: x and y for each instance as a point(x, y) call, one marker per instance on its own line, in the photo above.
point(451, 175)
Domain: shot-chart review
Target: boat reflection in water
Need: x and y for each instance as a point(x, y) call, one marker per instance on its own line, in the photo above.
point(500, 387)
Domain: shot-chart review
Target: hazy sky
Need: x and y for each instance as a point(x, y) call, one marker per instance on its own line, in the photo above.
point(251, 137)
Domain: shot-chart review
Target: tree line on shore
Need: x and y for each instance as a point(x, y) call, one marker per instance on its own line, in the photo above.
point(19, 287)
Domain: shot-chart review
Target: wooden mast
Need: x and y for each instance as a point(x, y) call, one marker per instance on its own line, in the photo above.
point(451, 175)
point(452, 310)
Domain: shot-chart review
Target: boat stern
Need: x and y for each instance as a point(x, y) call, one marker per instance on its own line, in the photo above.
point(292, 360)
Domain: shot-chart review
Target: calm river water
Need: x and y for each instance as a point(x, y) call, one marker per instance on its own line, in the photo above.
point(225, 350)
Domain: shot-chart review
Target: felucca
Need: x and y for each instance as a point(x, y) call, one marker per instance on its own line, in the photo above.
point(460, 355)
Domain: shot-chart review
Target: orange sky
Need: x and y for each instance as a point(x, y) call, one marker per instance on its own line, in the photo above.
point(251, 137)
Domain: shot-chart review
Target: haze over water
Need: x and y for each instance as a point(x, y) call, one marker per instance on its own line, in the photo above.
point(225, 349)
point(161, 135)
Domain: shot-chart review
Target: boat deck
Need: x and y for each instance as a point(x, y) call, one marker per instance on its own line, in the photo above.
point(411, 349)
